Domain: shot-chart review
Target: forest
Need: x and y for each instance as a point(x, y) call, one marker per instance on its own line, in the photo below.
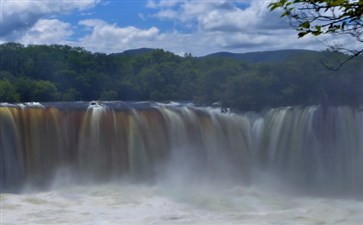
point(253, 82)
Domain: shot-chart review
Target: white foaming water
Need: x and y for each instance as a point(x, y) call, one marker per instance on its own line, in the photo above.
point(167, 204)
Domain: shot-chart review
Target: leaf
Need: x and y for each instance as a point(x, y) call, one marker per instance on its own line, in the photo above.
point(301, 34)
point(305, 25)
point(317, 31)
point(274, 6)
point(285, 14)
point(283, 2)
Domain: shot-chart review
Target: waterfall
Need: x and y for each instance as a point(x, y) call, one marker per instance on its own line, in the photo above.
point(310, 148)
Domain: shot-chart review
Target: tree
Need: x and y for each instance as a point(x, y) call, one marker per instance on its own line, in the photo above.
point(8, 92)
point(43, 91)
point(322, 17)
point(71, 95)
point(73, 74)
point(109, 95)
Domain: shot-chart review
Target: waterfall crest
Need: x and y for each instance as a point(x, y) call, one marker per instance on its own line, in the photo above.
point(311, 148)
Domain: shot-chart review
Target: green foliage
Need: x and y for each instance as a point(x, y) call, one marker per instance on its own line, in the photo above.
point(109, 95)
point(8, 92)
point(71, 95)
point(323, 16)
point(57, 72)
point(43, 91)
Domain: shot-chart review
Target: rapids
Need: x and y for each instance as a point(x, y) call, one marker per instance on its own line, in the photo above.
point(127, 204)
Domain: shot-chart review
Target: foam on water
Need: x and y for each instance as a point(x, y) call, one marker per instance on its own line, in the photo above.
point(162, 204)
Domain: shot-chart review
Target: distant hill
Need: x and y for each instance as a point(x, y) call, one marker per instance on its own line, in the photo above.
point(134, 52)
point(250, 57)
point(258, 57)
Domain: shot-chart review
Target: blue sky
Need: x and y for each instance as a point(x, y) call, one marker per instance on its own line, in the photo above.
point(197, 26)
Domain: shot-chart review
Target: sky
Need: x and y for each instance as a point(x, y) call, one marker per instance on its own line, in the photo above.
point(199, 27)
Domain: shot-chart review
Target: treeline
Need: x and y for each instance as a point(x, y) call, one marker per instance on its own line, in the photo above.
point(64, 73)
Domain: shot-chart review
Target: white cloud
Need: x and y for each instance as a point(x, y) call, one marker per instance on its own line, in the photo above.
point(227, 25)
point(255, 17)
point(110, 38)
point(231, 25)
point(208, 26)
point(166, 14)
point(107, 37)
point(47, 31)
point(220, 26)
point(161, 4)
point(18, 16)
point(201, 43)
point(192, 10)
point(222, 15)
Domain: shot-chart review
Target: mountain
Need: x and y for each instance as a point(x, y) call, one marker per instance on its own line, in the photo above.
point(258, 57)
point(250, 57)
point(135, 52)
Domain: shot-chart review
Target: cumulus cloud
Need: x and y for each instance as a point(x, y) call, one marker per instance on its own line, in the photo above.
point(161, 4)
point(193, 10)
point(166, 14)
point(254, 18)
point(207, 27)
point(216, 26)
point(227, 15)
point(18, 16)
point(233, 25)
point(108, 37)
point(47, 31)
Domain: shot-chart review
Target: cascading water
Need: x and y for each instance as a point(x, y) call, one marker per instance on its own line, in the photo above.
point(312, 150)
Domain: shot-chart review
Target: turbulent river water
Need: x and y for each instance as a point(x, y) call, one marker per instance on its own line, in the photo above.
point(152, 163)
point(162, 204)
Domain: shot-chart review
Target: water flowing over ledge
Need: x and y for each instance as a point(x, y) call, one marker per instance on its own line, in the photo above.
point(312, 149)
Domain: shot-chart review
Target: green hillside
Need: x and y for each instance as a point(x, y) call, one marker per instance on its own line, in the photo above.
point(267, 56)
point(266, 79)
